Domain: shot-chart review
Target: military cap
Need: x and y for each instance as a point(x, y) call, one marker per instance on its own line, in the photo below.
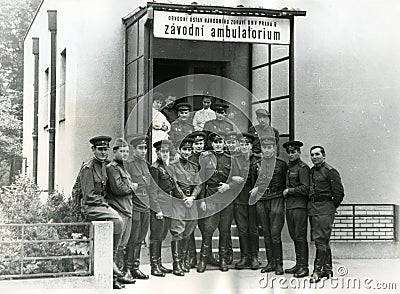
point(120, 142)
point(230, 136)
point(267, 140)
point(163, 143)
point(198, 136)
point(220, 106)
point(292, 143)
point(262, 112)
point(246, 137)
point(186, 142)
point(138, 140)
point(215, 136)
point(100, 141)
point(183, 106)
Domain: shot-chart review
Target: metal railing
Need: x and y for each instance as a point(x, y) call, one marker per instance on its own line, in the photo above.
point(372, 222)
point(46, 250)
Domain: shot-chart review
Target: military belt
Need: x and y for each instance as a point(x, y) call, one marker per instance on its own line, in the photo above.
point(320, 198)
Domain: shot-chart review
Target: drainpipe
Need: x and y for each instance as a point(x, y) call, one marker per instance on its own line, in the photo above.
point(52, 24)
point(35, 133)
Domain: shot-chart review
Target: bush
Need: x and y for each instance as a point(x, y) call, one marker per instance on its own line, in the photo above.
point(21, 204)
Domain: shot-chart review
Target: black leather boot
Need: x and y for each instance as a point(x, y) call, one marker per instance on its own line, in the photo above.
point(294, 269)
point(302, 270)
point(135, 271)
point(318, 265)
point(223, 250)
point(244, 261)
point(184, 248)
point(270, 267)
point(176, 266)
point(277, 255)
point(327, 268)
point(229, 249)
point(117, 285)
point(162, 268)
point(254, 248)
point(155, 267)
point(205, 253)
point(192, 256)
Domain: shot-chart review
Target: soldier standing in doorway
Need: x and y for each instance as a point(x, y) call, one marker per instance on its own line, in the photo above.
point(220, 124)
point(326, 194)
point(93, 179)
point(182, 126)
point(140, 174)
point(296, 195)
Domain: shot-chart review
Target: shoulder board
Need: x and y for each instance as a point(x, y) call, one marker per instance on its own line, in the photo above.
point(328, 166)
point(155, 164)
point(88, 163)
point(302, 164)
point(112, 163)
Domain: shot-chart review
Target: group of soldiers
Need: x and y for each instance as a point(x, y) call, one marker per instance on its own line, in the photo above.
point(209, 178)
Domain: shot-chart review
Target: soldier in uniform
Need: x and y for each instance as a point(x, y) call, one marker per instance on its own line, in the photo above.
point(161, 206)
point(93, 179)
point(219, 169)
point(326, 194)
point(262, 129)
point(220, 124)
point(245, 214)
point(140, 174)
point(296, 195)
point(182, 126)
point(184, 220)
point(119, 196)
point(270, 206)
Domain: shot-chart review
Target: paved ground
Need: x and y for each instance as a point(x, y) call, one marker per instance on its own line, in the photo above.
point(355, 275)
point(351, 276)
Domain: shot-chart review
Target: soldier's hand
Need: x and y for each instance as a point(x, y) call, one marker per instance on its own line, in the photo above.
point(253, 192)
point(223, 187)
point(189, 201)
point(203, 206)
point(285, 192)
point(159, 215)
point(238, 179)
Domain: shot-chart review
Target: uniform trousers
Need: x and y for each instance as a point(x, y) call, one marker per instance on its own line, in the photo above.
point(297, 224)
point(321, 229)
point(272, 217)
point(158, 228)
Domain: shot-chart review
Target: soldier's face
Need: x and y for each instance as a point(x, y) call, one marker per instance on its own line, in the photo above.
point(122, 153)
point(198, 146)
point(218, 145)
point(206, 103)
point(101, 153)
point(231, 144)
point(186, 152)
point(183, 114)
point(245, 147)
point(263, 120)
point(170, 100)
point(293, 154)
point(220, 114)
point(140, 151)
point(163, 154)
point(267, 150)
point(317, 157)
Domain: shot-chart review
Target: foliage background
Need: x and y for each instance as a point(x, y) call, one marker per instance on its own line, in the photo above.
point(15, 17)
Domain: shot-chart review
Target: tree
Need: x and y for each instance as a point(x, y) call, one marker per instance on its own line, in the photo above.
point(15, 17)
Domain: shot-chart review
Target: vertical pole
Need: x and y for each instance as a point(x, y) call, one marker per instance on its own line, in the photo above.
point(52, 25)
point(291, 80)
point(35, 133)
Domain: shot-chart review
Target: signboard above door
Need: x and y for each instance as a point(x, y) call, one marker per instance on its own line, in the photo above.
point(221, 27)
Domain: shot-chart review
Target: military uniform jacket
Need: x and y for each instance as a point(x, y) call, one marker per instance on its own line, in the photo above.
point(325, 184)
point(93, 178)
point(185, 173)
point(219, 168)
point(298, 184)
point(119, 188)
point(169, 113)
point(140, 174)
point(248, 170)
point(216, 126)
point(259, 131)
point(179, 130)
point(163, 185)
point(271, 179)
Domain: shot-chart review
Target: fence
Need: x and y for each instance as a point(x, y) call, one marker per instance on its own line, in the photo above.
point(368, 222)
point(46, 250)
